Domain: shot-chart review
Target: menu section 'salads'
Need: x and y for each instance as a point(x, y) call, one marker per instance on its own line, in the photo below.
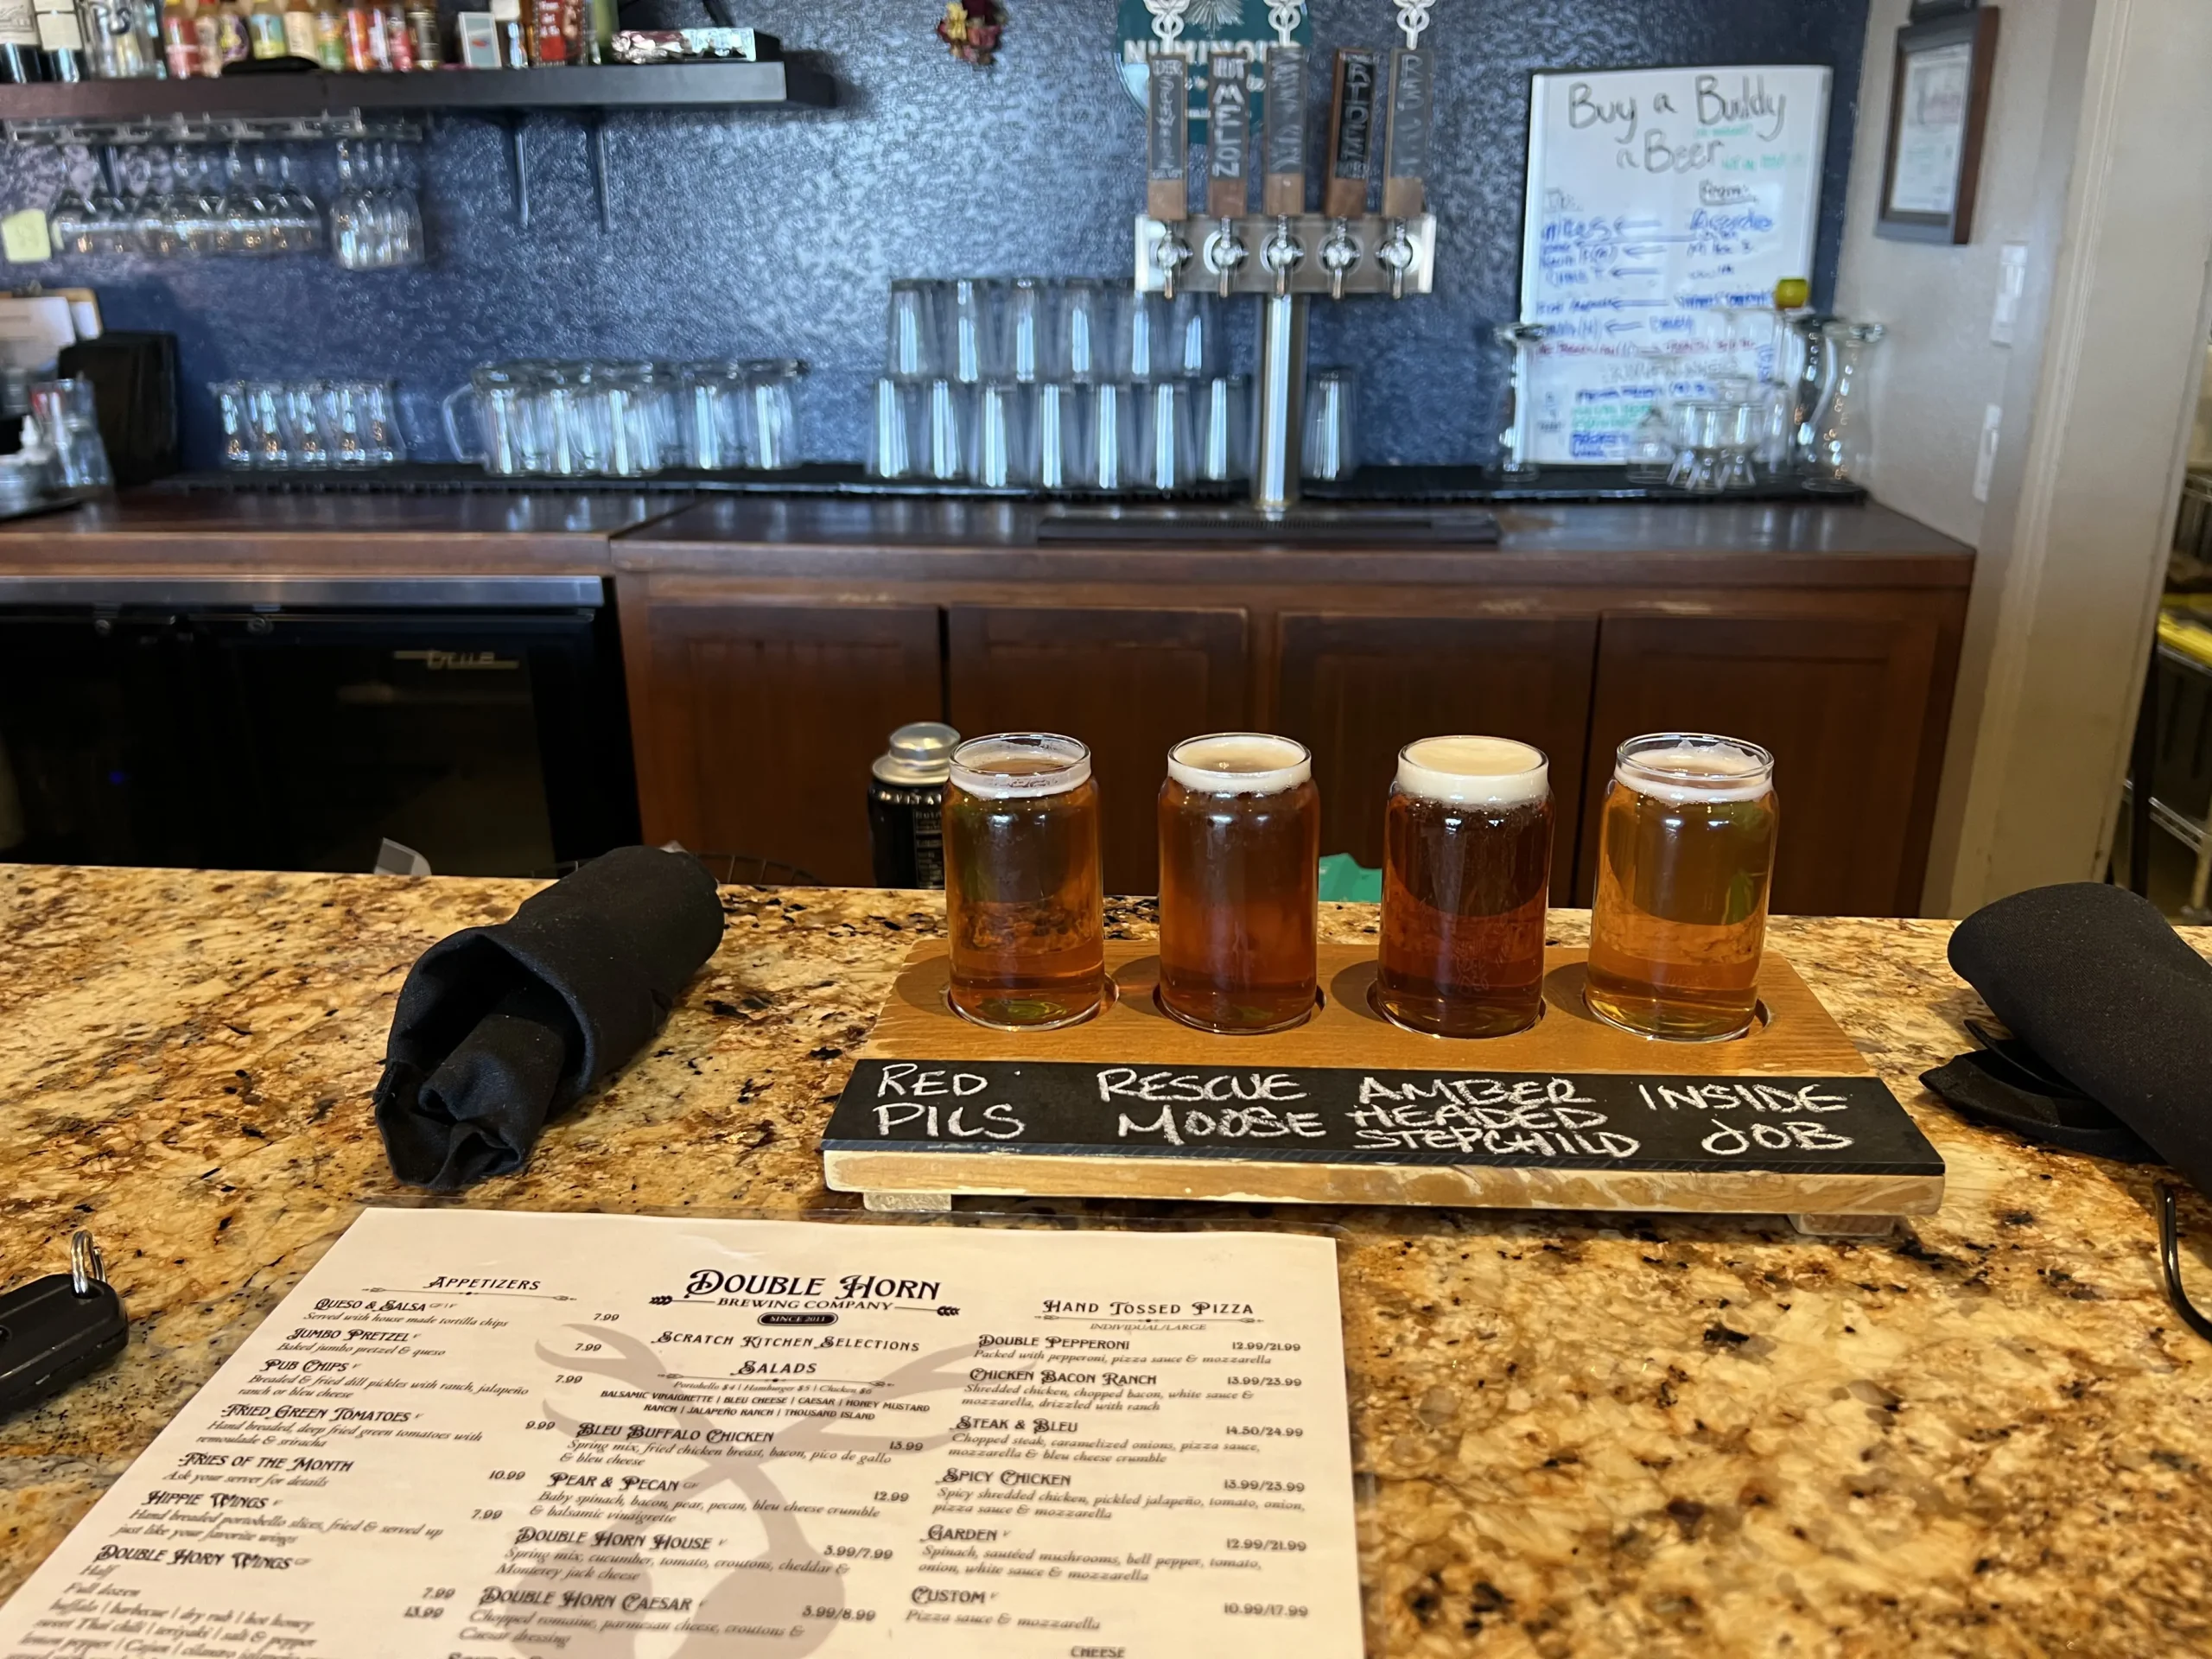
point(483, 1434)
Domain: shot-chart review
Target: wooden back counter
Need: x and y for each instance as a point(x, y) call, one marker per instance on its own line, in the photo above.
point(772, 643)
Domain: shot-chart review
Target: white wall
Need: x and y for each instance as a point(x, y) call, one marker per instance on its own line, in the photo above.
point(1938, 370)
point(2097, 156)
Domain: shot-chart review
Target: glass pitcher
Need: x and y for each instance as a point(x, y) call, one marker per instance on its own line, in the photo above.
point(1841, 451)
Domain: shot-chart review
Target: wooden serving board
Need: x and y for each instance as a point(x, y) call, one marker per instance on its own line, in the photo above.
point(1349, 1108)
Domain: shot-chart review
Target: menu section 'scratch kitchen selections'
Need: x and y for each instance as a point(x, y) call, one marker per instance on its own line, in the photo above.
point(482, 1434)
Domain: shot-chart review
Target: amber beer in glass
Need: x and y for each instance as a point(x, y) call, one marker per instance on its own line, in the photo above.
point(1240, 878)
point(1466, 880)
point(1024, 899)
point(1685, 856)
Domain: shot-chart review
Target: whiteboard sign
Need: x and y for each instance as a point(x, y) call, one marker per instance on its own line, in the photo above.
point(1660, 201)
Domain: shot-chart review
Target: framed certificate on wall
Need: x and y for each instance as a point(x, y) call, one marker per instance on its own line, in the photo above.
point(1939, 101)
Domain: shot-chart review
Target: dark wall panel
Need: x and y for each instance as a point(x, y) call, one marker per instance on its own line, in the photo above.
point(770, 234)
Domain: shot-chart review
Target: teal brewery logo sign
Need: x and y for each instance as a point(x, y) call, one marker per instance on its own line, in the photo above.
point(1239, 27)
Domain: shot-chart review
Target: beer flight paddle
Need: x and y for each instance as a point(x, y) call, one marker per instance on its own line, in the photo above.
point(1676, 1066)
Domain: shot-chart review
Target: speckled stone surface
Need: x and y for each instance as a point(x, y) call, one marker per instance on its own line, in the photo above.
point(1643, 1435)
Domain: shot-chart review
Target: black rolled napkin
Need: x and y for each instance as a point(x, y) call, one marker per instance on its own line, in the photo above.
point(500, 1030)
point(2104, 993)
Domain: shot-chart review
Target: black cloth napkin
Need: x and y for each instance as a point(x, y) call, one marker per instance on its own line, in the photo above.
point(2104, 995)
point(500, 1030)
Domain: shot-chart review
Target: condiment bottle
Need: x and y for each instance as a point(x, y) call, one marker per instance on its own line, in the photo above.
point(399, 50)
point(207, 30)
point(233, 41)
point(425, 34)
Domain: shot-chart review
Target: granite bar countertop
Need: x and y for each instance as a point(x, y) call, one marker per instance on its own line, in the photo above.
point(1657, 1435)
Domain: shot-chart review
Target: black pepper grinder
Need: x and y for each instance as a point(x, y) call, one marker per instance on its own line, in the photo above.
point(905, 806)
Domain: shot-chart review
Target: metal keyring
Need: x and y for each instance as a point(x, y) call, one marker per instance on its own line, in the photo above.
point(86, 1268)
point(2170, 1257)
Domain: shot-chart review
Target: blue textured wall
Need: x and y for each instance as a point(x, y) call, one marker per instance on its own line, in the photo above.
point(930, 167)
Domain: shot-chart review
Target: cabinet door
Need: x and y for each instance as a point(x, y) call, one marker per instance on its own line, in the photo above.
point(1849, 709)
point(1357, 690)
point(755, 724)
point(1130, 683)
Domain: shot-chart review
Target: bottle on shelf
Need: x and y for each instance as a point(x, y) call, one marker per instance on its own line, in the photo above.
point(425, 34)
point(367, 50)
point(206, 28)
point(116, 46)
point(549, 35)
point(515, 52)
point(329, 34)
point(20, 59)
point(232, 39)
point(299, 29)
point(180, 39)
point(399, 44)
point(264, 28)
point(61, 37)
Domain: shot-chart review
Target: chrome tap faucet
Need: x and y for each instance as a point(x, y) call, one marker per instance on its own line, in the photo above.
point(1171, 253)
point(1225, 255)
point(1340, 255)
point(1283, 254)
point(1396, 256)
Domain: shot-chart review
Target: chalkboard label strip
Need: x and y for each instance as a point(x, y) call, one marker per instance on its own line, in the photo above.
point(1285, 186)
point(1229, 129)
point(1167, 157)
point(1405, 167)
point(1351, 133)
point(1654, 1125)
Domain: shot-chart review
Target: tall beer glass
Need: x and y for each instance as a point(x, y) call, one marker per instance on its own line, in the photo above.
point(1685, 855)
point(1023, 897)
point(1466, 878)
point(1240, 878)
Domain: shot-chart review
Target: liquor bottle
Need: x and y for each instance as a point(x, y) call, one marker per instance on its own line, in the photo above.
point(19, 49)
point(61, 37)
point(366, 50)
point(425, 34)
point(329, 34)
point(180, 39)
point(264, 28)
point(299, 29)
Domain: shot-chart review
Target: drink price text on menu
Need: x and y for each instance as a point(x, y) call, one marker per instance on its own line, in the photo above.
point(478, 1434)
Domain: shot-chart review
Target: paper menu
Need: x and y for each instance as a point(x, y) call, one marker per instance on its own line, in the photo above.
point(487, 1434)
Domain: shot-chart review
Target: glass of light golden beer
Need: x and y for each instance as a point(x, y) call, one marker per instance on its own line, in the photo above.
point(1240, 876)
point(1685, 856)
point(1466, 881)
point(1023, 897)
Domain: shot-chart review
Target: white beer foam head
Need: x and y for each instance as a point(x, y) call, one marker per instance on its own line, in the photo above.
point(1687, 767)
point(974, 766)
point(1474, 772)
point(1239, 763)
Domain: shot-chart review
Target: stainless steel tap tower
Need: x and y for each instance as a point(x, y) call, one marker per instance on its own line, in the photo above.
point(1342, 251)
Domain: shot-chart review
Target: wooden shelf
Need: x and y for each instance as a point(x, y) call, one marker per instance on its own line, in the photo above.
point(790, 83)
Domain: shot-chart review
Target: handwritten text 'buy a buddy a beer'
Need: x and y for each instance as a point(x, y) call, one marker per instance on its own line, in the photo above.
point(1543, 1118)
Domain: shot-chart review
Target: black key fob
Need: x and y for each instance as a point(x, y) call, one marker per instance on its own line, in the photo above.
point(55, 1329)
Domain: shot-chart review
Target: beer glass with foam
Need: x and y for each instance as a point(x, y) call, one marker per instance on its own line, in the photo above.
point(1023, 896)
point(1466, 878)
point(1240, 858)
point(1685, 857)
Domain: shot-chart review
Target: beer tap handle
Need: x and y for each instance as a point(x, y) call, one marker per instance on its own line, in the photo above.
point(1168, 159)
point(1229, 133)
point(1405, 162)
point(1351, 133)
point(1283, 191)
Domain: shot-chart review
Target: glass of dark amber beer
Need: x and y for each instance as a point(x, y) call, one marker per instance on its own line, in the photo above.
point(1023, 896)
point(1240, 877)
point(1466, 880)
point(1685, 856)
